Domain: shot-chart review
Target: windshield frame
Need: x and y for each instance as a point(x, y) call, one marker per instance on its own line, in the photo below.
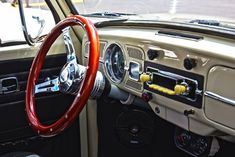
point(71, 6)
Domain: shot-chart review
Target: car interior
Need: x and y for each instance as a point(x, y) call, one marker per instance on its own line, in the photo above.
point(114, 85)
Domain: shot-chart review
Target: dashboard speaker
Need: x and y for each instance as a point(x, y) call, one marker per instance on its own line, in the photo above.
point(135, 53)
point(135, 128)
point(132, 131)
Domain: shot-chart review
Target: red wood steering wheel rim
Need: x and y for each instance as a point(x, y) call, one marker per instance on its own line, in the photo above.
point(85, 89)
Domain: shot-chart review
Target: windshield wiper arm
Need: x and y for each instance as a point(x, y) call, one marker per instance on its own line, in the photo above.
point(206, 22)
point(214, 23)
point(109, 14)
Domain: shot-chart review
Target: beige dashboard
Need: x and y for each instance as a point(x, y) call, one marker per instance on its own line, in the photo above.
point(214, 63)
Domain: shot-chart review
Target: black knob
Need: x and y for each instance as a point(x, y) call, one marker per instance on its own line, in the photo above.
point(190, 63)
point(147, 97)
point(152, 54)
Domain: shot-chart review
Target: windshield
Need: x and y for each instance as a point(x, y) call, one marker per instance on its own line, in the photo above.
point(222, 10)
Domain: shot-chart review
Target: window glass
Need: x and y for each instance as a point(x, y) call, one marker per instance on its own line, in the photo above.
point(38, 17)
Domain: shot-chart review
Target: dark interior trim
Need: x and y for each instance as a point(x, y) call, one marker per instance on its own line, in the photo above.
point(53, 11)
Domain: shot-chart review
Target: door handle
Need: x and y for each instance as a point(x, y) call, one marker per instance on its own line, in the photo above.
point(8, 85)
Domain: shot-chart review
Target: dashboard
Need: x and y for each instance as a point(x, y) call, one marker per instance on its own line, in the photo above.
point(186, 77)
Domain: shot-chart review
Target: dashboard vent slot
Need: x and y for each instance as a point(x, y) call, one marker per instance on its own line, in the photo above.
point(179, 35)
point(135, 53)
point(133, 84)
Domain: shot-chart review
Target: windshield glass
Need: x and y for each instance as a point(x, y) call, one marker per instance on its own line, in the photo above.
point(222, 10)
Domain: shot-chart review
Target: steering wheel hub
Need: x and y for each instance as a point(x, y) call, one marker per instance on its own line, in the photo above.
point(71, 77)
point(64, 76)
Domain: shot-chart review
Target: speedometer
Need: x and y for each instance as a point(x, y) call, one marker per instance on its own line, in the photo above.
point(114, 63)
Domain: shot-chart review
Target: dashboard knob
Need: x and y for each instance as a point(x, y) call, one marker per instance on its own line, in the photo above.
point(190, 63)
point(152, 54)
point(145, 77)
point(147, 97)
point(180, 89)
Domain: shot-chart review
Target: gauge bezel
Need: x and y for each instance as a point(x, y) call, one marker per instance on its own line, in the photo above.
point(108, 67)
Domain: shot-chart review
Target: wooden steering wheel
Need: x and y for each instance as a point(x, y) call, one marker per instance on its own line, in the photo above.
point(65, 82)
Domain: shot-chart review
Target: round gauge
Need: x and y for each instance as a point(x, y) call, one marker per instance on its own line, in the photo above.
point(114, 63)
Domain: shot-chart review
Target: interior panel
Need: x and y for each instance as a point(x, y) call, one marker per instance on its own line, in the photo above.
point(12, 104)
point(221, 83)
point(155, 137)
point(15, 132)
point(190, 56)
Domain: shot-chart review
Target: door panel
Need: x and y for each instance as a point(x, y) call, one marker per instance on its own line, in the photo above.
point(50, 106)
point(15, 130)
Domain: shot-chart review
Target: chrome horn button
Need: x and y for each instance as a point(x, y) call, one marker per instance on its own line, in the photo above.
point(64, 75)
point(71, 77)
point(69, 73)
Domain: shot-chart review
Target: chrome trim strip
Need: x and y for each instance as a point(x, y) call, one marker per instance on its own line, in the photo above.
point(219, 98)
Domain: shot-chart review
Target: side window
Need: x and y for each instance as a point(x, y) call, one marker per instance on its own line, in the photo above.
point(39, 20)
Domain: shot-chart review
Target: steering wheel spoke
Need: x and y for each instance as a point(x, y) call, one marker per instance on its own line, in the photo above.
point(48, 86)
point(71, 55)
